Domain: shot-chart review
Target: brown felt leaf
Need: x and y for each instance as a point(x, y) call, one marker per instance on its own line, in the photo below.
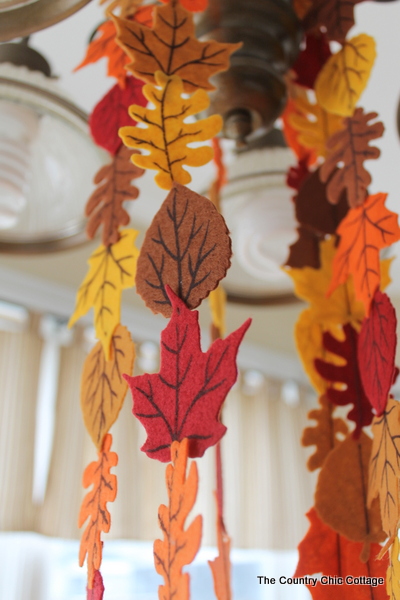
point(350, 147)
point(104, 206)
point(171, 47)
point(187, 246)
point(103, 388)
point(304, 252)
point(341, 494)
point(336, 16)
point(324, 435)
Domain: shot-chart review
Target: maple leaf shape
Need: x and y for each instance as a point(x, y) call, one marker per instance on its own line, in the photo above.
point(350, 147)
point(184, 399)
point(187, 246)
point(114, 187)
point(311, 60)
point(103, 388)
point(221, 565)
point(171, 47)
point(179, 546)
point(131, 8)
point(111, 113)
point(94, 507)
point(97, 591)
point(111, 270)
point(363, 232)
point(393, 572)
point(166, 134)
point(377, 350)
point(336, 16)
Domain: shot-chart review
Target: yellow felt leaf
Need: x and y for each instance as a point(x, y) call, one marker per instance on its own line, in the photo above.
point(167, 135)
point(393, 572)
point(111, 270)
point(217, 300)
point(345, 75)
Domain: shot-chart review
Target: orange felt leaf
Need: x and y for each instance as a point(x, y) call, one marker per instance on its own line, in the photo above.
point(291, 133)
point(179, 545)
point(192, 5)
point(94, 507)
point(221, 565)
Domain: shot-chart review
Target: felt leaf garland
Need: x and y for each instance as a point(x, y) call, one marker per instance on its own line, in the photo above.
point(111, 270)
point(166, 135)
point(377, 350)
point(94, 507)
point(221, 565)
point(171, 47)
point(350, 147)
point(393, 572)
point(311, 60)
point(187, 246)
point(179, 546)
point(336, 16)
point(363, 232)
point(192, 5)
point(345, 75)
point(104, 206)
point(184, 399)
point(103, 388)
point(97, 591)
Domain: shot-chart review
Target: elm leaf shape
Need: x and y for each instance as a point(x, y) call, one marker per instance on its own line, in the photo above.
point(184, 399)
point(336, 16)
point(350, 147)
point(187, 246)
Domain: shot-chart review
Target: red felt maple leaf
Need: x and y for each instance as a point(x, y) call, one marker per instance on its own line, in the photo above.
point(97, 591)
point(184, 399)
point(347, 374)
point(377, 350)
point(311, 60)
point(111, 113)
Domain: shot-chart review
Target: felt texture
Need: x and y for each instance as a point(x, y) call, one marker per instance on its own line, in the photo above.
point(221, 565)
point(167, 135)
point(311, 59)
point(324, 435)
point(111, 113)
point(307, 155)
point(111, 270)
point(384, 469)
point(341, 493)
point(114, 187)
point(103, 388)
point(171, 47)
point(347, 374)
point(345, 75)
point(97, 591)
point(184, 399)
point(179, 546)
point(131, 8)
point(187, 246)
point(296, 175)
point(192, 5)
point(350, 148)
point(377, 350)
point(335, 16)
point(301, 7)
point(363, 233)
point(94, 507)
point(217, 301)
point(304, 252)
point(324, 551)
point(393, 572)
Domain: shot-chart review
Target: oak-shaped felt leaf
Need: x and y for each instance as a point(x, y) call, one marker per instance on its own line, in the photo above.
point(393, 572)
point(184, 399)
point(348, 375)
point(111, 270)
point(179, 546)
point(350, 147)
point(363, 233)
point(167, 135)
point(384, 470)
point(103, 388)
point(111, 113)
point(221, 565)
point(171, 47)
point(345, 75)
point(187, 246)
point(97, 591)
point(335, 16)
point(94, 507)
point(341, 493)
point(311, 59)
point(377, 351)
point(324, 435)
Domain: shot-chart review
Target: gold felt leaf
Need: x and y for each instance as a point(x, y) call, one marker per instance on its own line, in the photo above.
point(217, 301)
point(393, 572)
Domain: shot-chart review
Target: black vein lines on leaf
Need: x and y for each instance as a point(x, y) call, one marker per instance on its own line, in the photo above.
point(347, 70)
point(374, 341)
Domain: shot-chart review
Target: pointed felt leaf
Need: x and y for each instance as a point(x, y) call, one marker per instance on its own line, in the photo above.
point(111, 113)
point(393, 572)
point(335, 16)
point(350, 147)
point(179, 546)
point(184, 399)
point(221, 565)
point(345, 75)
point(94, 507)
point(311, 60)
point(187, 246)
point(377, 351)
point(114, 187)
point(103, 388)
point(97, 591)
point(111, 270)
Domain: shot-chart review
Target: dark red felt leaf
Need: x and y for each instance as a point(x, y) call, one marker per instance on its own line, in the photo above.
point(184, 399)
point(377, 350)
point(347, 374)
point(296, 175)
point(336, 16)
point(305, 250)
point(97, 591)
point(111, 113)
point(311, 60)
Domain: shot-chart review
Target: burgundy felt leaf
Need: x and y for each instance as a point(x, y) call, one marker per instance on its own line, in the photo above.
point(377, 350)
point(184, 399)
point(111, 113)
point(97, 591)
point(311, 60)
point(296, 175)
point(347, 374)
